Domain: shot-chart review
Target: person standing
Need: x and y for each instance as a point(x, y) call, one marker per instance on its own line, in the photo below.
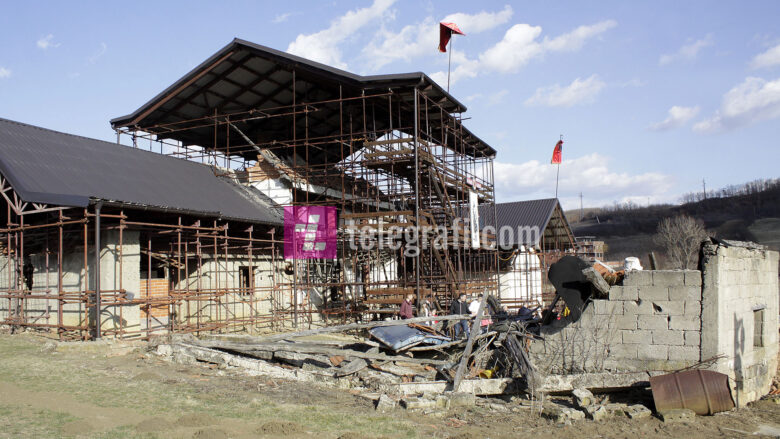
point(407, 311)
point(460, 306)
point(474, 306)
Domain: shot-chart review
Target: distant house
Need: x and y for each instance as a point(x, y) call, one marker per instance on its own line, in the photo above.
point(532, 235)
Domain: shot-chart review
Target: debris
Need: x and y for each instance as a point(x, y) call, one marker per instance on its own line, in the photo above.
point(600, 286)
point(704, 391)
point(561, 414)
point(462, 399)
point(353, 366)
point(676, 415)
point(597, 413)
point(616, 409)
point(385, 404)
point(417, 403)
point(582, 398)
point(638, 411)
point(336, 360)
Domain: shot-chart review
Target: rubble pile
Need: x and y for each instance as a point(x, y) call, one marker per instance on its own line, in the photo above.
point(398, 357)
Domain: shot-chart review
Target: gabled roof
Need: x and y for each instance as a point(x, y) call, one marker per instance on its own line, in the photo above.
point(545, 214)
point(50, 167)
point(247, 77)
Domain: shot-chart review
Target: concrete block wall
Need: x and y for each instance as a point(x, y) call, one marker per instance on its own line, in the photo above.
point(651, 322)
point(740, 315)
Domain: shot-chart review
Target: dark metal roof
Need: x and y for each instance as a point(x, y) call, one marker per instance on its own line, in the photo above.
point(50, 167)
point(244, 76)
point(530, 213)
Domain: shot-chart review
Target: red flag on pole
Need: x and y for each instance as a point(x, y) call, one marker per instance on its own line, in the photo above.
point(445, 33)
point(557, 152)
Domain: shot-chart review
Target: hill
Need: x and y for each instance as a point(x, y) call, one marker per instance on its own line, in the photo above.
point(748, 212)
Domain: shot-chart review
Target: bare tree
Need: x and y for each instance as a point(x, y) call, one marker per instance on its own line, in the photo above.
point(681, 237)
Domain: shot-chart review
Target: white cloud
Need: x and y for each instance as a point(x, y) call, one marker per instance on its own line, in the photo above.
point(46, 42)
point(520, 45)
point(753, 100)
point(580, 91)
point(323, 46)
point(497, 97)
point(100, 52)
point(767, 59)
point(678, 116)
point(575, 39)
point(4, 73)
point(687, 52)
point(281, 18)
point(589, 174)
point(419, 39)
point(634, 82)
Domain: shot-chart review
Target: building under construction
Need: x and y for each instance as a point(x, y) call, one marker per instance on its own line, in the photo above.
point(186, 225)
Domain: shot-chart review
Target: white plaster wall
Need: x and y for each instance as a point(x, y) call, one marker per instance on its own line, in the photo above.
point(523, 281)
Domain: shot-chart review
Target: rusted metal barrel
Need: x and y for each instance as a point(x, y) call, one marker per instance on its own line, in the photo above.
point(703, 391)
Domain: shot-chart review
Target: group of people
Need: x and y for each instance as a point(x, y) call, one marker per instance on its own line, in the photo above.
point(459, 306)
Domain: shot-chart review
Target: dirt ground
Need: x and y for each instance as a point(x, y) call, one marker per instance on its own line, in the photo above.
point(120, 390)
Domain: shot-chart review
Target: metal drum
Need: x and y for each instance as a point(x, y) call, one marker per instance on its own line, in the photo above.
point(703, 391)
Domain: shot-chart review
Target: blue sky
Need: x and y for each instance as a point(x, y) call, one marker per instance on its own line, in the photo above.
point(650, 97)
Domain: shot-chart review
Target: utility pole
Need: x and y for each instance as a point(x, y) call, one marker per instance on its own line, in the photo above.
point(704, 188)
point(581, 210)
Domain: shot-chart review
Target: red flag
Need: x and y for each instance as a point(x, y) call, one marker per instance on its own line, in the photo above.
point(557, 152)
point(445, 33)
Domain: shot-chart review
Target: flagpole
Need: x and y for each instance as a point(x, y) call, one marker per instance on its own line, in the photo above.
point(449, 65)
point(558, 172)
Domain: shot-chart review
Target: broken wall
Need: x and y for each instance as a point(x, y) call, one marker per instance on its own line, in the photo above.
point(740, 315)
point(651, 322)
point(662, 321)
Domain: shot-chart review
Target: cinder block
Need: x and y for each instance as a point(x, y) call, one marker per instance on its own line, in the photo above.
point(639, 336)
point(692, 308)
point(652, 352)
point(624, 292)
point(653, 293)
point(668, 337)
point(664, 278)
point(693, 278)
point(638, 278)
point(624, 322)
point(684, 292)
point(687, 323)
point(692, 338)
point(684, 353)
point(652, 322)
point(626, 351)
point(638, 307)
point(669, 307)
point(607, 307)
